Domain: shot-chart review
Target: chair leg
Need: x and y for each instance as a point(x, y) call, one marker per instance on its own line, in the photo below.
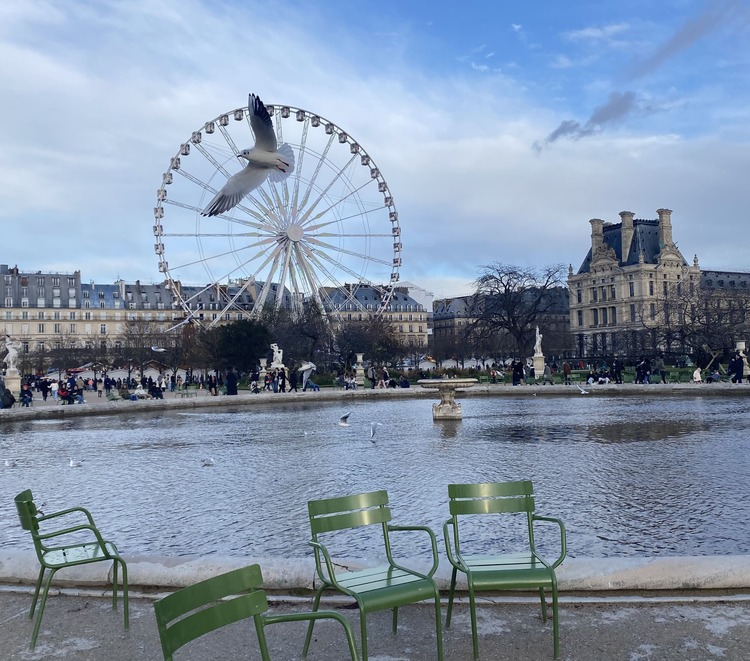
point(36, 591)
point(262, 643)
point(450, 599)
point(125, 604)
point(438, 626)
point(474, 634)
point(316, 604)
point(555, 632)
point(544, 605)
point(42, 604)
point(363, 630)
point(395, 620)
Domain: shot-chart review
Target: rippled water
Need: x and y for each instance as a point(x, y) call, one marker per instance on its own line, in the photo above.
point(629, 476)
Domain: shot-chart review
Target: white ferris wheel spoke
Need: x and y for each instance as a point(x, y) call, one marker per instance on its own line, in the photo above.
point(308, 236)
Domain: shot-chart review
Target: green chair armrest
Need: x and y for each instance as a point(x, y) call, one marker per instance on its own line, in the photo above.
point(563, 536)
point(68, 531)
point(433, 542)
point(318, 615)
point(54, 515)
point(453, 558)
point(320, 548)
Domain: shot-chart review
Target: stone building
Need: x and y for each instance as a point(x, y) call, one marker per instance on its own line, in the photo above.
point(47, 311)
point(618, 294)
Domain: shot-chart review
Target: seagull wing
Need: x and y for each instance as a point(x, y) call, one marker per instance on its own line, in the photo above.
point(345, 417)
point(260, 122)
point(235, 189)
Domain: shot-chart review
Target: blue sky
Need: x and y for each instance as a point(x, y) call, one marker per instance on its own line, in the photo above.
point(501, 127)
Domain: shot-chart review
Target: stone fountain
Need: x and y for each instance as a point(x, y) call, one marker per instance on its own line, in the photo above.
point(448, 408)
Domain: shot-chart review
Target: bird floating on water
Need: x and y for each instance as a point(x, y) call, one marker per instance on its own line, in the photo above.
point(75, 463)
point(209, 461)
point(11, 463)
point(265, 159)
point(344, 420)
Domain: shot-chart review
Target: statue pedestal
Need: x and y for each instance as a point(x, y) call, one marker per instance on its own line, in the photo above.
point(262, 373)
point(448, 408)
point(13, 381)
point(359, 371)
point(538, 366)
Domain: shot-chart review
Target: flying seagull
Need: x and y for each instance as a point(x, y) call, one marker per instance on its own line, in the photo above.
point(583, 392)
point(264, 159)
point(344, 420)
point(158, 349)
point(373, 427)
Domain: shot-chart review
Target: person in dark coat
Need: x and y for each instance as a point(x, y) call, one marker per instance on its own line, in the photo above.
point(231, 382)
point(293, 379)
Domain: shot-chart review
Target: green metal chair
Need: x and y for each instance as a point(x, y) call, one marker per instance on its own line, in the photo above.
point(198, 609)
point(376, 588)
point(85, 545)
point(503, 571)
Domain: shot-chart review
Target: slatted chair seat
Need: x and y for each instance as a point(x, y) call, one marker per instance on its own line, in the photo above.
point(53, 555)
point(516, 570)
point(376, 588)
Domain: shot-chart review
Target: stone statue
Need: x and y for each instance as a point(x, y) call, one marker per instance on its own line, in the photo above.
point(12, 347)
point(538, 343)
point(278, 356)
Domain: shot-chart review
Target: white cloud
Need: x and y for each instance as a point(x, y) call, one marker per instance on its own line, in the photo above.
point(98, 101)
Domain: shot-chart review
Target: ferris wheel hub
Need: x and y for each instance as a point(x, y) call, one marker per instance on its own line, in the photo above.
point(295, 232)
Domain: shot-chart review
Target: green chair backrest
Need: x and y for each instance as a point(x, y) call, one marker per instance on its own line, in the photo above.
point(344, 512)
point(198, 609)
point(492, 498)
point(27, 511)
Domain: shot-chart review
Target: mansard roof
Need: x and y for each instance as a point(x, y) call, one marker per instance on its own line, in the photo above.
point(645, 242)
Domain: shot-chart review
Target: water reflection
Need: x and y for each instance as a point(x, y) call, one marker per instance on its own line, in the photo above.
point(629, 476)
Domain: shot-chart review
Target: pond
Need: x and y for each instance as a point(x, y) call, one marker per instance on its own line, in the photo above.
point(630, 476)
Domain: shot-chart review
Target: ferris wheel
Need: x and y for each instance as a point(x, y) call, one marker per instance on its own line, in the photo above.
point(315, 237)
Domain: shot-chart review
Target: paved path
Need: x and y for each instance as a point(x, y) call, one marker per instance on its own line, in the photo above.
point(84, 628)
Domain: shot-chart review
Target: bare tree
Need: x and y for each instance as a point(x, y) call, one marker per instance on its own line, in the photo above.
point(514, 300)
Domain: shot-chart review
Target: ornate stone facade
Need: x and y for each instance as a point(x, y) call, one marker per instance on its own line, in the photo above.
point(619, 291)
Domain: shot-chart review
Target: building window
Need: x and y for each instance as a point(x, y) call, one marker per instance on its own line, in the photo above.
point(40, 328)
point(596, 316)
point(71, 282)
point(72, 315)
point(55, 282)
point(56, 328)
point(595, 294)
point(632, 312)
point(613, 316)
point(580, 317)
point(631, 288)
point(73, 328)
point(40, 302)
point(666, 288)
point(612, 292)
point(652, 311)
point(650, 287)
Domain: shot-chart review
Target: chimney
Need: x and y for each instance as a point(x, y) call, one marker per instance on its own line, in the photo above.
point(665, 227)
point(597, 234)
point(626, 234)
